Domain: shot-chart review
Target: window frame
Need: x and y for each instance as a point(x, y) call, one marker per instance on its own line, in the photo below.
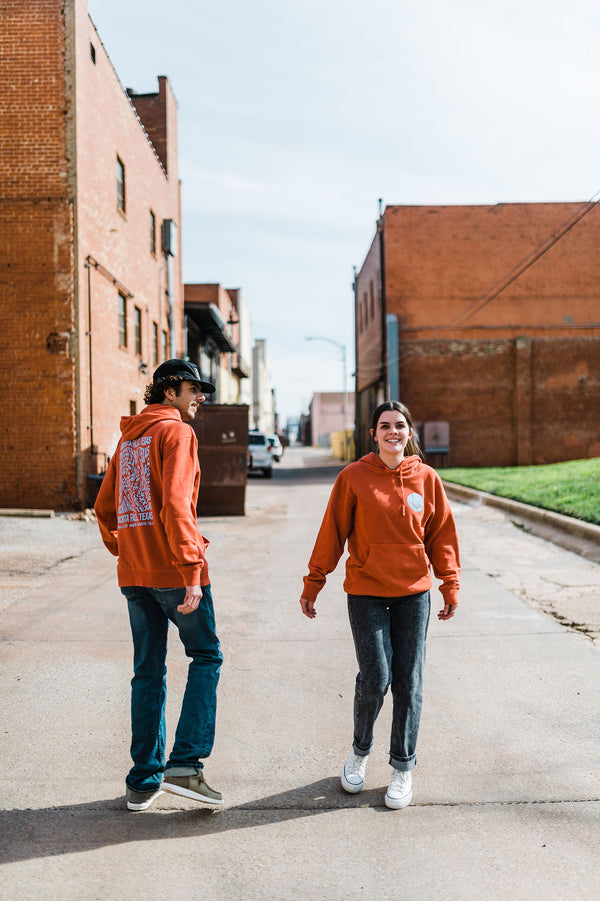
point(155, 344)
point(137, 330)
point(153, 233)
point(122, 320)
point(121, 186)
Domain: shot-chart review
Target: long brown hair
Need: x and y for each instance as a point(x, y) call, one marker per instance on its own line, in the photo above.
point(412, 445)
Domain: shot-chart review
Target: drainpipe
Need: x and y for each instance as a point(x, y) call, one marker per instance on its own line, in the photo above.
point(88, 266)
point(383, 378)
point(169, 250)
point(170, 300)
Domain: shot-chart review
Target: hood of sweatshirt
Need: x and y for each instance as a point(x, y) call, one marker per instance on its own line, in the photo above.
point(408, 466)
point(134, 426)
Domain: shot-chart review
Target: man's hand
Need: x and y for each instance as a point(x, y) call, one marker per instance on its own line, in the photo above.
point(308, 608)
point(447, 612)
point(193, 596)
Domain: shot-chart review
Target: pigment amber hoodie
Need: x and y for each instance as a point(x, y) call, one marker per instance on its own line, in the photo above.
point(397, 523)
point(146, 506)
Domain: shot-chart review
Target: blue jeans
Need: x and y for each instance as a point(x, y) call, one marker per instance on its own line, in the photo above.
point(150, 610)
point(389, 638)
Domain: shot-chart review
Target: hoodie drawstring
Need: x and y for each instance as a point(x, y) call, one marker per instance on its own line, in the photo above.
point(402, 507)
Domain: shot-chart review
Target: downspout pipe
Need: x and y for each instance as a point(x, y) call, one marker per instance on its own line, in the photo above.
point(357, 422)
point(383, 377)
point(170, 300)
point(88, 266)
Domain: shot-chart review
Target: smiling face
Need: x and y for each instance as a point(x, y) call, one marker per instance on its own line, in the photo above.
point(391, 436)
point(187, 401)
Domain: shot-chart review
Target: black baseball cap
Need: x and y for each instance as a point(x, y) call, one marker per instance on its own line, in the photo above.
point(186, 370)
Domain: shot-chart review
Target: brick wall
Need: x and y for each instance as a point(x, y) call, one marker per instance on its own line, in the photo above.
point(36, 262)
point(109, 125)
point(64, 119)
point(36, 284)
point(510, 401)
point(517, 378)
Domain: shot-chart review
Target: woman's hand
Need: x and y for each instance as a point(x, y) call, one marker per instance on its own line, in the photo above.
point(447, 612)
point(308, 608)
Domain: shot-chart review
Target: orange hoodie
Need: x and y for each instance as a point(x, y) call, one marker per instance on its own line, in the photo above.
point(397, 522)
point(146, 506)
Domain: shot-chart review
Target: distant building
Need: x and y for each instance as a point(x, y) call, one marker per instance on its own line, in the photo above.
point(92, 297)
point(485, 321)
point(263, 397)
point(330, 411)
point(219, 340)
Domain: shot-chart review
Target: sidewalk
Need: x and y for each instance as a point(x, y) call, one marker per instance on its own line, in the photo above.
point(507, 793)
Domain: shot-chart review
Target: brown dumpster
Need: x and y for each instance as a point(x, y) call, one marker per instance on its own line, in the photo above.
point(222, 432)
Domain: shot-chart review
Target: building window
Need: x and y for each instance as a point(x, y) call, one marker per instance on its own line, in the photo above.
point(372, 293)
point(152, 233)
point(155, 344)
point(137, 318)
point(120, 185)
point(122, 320)
point(165, 346)
point(365, 307)
point(132, 408)
point(93, 53)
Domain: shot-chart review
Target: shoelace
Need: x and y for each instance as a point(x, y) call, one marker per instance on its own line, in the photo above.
point(356, 766)
point(399, 779)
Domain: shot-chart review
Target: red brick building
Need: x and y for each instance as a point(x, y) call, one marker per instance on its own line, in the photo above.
point(219, 340)
point(486, 318)
point(90, 276)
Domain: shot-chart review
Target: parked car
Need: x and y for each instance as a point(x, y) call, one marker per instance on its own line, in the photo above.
point(260, 454)
point(276, 447)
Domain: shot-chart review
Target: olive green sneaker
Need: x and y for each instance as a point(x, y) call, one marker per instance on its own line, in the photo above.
point(190, 783)
point(141, 800)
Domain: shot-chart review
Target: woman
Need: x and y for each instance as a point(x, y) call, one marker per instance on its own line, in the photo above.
point(392, 510)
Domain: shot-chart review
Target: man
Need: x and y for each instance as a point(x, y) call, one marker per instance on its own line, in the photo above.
point(146, 510)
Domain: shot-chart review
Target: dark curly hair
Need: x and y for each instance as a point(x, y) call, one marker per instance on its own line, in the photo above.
point(412, 445)
point(155, 393)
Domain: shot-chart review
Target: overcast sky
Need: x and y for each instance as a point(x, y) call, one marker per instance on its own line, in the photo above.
point(295, 116)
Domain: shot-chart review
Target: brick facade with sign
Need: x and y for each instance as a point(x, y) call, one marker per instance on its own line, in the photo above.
point(486, 318)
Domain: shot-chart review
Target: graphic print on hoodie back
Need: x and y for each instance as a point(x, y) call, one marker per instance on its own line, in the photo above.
point(135, 503)
point(146, 506)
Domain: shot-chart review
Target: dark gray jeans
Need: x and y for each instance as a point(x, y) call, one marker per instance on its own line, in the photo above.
point(389, 638)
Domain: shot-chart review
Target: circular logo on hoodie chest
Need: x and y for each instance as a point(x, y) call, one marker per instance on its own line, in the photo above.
point(415, 502)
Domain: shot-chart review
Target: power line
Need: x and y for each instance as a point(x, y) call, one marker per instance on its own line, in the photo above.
point(515, 273)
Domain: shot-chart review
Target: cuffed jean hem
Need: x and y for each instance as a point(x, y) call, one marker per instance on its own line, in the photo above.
point(360, 752)
point(146, 786)
point(194, 764)
point(404, 764)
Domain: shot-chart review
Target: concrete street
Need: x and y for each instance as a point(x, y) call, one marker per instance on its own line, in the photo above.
point(507, 787)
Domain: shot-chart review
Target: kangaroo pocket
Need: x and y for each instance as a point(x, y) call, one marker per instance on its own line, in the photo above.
point(390, 570)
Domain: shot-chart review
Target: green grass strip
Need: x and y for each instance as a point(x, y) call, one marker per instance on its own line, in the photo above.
point(572, 488)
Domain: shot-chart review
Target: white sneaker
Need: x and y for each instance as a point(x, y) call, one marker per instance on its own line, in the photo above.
point(353, 774)
point(399, 793)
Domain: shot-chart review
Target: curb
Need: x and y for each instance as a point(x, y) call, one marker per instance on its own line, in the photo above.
point(557, 524)
point(46, 514)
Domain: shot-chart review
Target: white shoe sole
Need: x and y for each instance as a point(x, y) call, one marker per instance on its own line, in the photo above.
point(398, 803)
point(186, 793)
point(144, 805)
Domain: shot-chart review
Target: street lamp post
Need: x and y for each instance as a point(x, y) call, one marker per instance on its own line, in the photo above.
point(342, 347)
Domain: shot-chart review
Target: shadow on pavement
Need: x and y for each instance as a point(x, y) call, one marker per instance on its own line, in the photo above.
point(52, 831)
